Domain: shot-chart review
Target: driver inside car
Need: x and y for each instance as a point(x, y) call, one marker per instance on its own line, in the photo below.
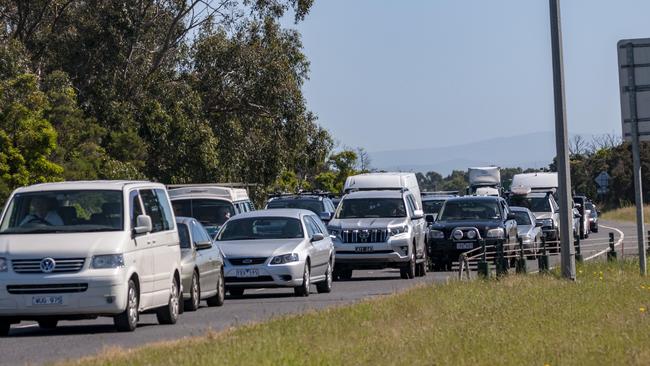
point(42, 211)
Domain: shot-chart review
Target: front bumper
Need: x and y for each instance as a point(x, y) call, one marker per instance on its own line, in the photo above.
point(445, 249)
point(94, 296)
point(270, 276)
point(393, 253)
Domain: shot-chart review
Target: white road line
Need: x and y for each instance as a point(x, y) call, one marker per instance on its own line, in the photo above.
point(620, 240)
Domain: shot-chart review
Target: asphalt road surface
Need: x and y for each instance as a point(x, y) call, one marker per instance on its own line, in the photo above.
point(27, 343)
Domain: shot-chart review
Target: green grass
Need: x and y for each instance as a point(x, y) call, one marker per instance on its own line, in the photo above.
point(520, 320)
point(626, 214)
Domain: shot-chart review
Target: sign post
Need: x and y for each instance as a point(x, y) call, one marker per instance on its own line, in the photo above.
point(561, 144)
point(634, 79)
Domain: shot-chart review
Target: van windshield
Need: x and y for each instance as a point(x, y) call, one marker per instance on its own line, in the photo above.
point(535, 204)
point(212, 213)
point(359, 208)
point(64, 211)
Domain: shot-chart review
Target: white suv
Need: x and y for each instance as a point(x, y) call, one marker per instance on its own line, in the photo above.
point(79, 250)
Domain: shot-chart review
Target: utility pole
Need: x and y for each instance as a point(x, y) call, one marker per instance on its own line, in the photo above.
point(561, 144)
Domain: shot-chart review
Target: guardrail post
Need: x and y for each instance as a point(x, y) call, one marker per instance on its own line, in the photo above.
point(483, 266)
point(611, 255)
point(579, 257)
point(502, 262)
point(647, 249)
point(542, 261)
point(521, 261)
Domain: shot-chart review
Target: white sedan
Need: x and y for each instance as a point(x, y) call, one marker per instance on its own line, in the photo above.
point(276, 248)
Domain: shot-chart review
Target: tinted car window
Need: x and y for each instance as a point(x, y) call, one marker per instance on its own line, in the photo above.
point(470, 210)
point(522, 218)
point(356, 208)
point(432, 207)
point(184, 235)
point(198, 233)
point(305, 204)
point(154, 209)
point(135, 208)
point(255, 228)
point(211, 213)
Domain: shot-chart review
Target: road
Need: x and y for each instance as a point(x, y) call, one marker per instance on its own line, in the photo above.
point(29, 344)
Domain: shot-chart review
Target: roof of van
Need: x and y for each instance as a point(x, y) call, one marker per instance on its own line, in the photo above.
point(535, 180)
point(205, 191)
point(373, 194)
point(85, 185)
point(377, 180)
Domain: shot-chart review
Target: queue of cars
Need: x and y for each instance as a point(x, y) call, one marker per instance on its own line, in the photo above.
point(81, 250)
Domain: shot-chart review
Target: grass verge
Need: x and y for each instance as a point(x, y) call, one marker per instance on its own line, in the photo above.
point(533, 320)
point(626, 214)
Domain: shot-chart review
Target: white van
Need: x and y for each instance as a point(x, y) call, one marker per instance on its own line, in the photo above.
point(385, 181)
point(210, 204)
point(79, 250)
point(537, 182)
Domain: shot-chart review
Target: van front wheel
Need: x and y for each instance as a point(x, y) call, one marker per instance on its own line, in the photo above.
point(127, 321)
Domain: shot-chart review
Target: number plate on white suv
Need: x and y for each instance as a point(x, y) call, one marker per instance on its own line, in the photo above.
point(364, 249)
point(247, 272)
point(47, 300)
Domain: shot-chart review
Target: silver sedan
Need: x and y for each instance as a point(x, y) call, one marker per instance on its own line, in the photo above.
point(528, 229)
point(277, 248)
point(202, 265)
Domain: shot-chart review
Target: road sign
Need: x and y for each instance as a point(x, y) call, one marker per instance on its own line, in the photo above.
point(634, 81)
point(602, 180)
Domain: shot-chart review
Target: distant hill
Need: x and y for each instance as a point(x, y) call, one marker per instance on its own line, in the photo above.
point(532, 150)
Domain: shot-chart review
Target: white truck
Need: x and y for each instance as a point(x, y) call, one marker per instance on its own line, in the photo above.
point(484, 181)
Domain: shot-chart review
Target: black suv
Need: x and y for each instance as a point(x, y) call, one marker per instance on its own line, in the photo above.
point(319, 203)
point(463, 222)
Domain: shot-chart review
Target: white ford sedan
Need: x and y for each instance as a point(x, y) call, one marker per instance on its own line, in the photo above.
point(277, 248)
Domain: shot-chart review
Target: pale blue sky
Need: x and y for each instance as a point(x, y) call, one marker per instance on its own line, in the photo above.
point(454, 71)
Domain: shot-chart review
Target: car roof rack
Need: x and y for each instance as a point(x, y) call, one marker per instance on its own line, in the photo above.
point(314, 193)
point(439, 193)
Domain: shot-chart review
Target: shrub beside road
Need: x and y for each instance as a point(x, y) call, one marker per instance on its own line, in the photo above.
point(602, 318)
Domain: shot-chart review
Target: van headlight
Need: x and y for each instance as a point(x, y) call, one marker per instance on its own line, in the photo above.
point(4, 264)
point(108, 261)
point(285, 258)
point(496, 233)
point(398, 230)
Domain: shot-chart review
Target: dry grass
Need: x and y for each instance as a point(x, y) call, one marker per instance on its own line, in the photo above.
point(531, 320)
point(626, 214)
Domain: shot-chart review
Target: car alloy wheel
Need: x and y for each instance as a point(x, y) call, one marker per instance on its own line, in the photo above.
point(127, 321)
point(169, 314)
point(326, 286)
point(195, 294)
point(219, 297)
point(303, 290)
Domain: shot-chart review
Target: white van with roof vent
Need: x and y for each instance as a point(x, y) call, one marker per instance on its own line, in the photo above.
point(385, 181)
point(212, 205)
point(79, 250)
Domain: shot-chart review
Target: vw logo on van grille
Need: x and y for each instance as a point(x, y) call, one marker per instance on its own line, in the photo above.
point(47, 265)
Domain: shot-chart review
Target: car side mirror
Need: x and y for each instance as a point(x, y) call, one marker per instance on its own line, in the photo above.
point(325, 216)
point(201, 245)
point(143, 224)
point(431, 218)
point(417, 214)
point(511, 216)
point(539, 224)
point(577, 216)
point(317, 237)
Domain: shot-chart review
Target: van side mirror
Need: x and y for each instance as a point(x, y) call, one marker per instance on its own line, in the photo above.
point(317, 237)
point(417, 214)
point(143, 224)
point(201, 245)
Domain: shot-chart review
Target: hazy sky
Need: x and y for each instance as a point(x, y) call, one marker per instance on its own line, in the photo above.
point(452, 71)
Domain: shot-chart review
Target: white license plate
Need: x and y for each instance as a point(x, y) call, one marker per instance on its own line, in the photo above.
point(364, 249)
point(464, 245)
point(47, 300)
point(248, 272)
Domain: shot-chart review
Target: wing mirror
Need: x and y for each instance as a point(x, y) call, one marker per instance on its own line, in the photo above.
point(143, 224)
point(577, 216)
point(417, 214)
point(539, 224)
point(511, 216)
point(317, 237)
point(431, 218)
point(325, 216)
point(201, 245)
